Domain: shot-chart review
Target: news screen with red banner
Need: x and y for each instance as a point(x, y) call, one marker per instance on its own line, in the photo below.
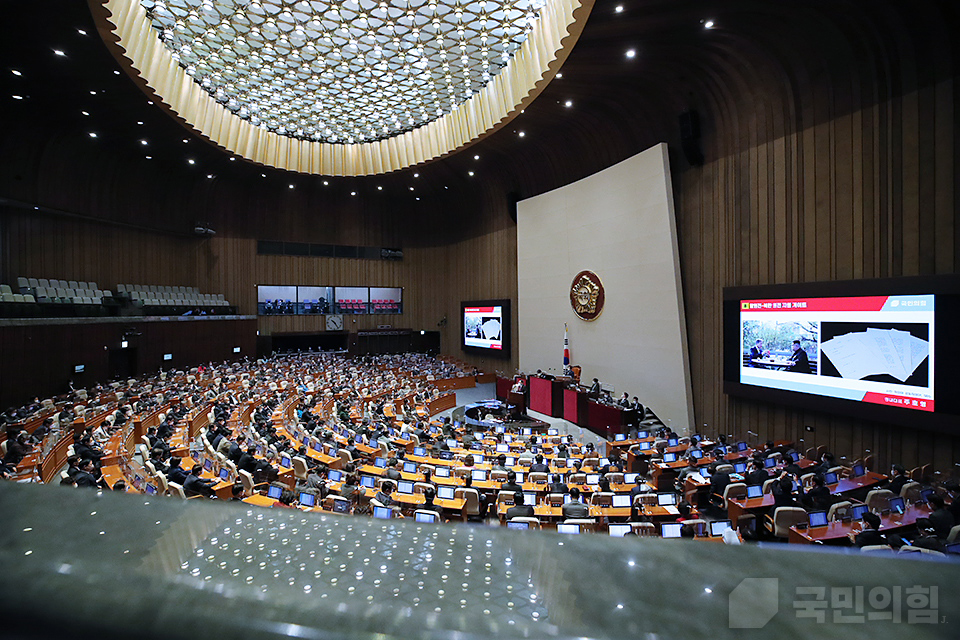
point(870, 349)
point(830, 352)
point(485, 327)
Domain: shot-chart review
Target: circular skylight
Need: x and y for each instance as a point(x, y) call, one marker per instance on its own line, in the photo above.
point(342, 72)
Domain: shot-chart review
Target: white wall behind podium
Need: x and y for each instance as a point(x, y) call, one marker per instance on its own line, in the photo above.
point(618, 223)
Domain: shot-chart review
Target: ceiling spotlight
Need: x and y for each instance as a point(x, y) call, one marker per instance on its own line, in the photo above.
point(559, 75)
point(631, 53)
point(325, 183)
point(140, 122)
point(708, 24)
point(86, 113)
point(416, 175)
point(93, 93)
point(15, 72)
point(290, 186)
point(191, 161)
point(568, 103)
point(379, 188)
point(476, 157)
point(619, 8)
point(209, 176)
point(81, 32)
point(233, 159)
point(18, 97)
point(411, 188)
point(149, 157)
point(521, 133)
point(92, 134)
point(418, 197)
point(143, 142)
point(353, 193)
point(469, 173)
point(115, 72)
point(263, 175)
point(185, 141)
point(59, 52)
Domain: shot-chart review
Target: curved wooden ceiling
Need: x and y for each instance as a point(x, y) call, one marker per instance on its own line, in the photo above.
point(780, 62)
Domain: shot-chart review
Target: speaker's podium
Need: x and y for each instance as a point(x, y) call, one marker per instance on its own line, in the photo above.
point(518, 400)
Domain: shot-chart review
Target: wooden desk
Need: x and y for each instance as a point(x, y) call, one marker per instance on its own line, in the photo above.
point(260, 501)
point(737, 508)
point(837, 532)
point(851, 485)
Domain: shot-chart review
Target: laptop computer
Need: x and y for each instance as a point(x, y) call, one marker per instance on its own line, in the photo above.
point(410, 467)
point(620, 437)
point(530, 499)
point(442, 472)
point(274, 492)
point(618, 530)
point(670, 530)
point(717, 527)
point(383, 512)
point(568, 528)
point(380, 462)
point(830, 477)
point(817, 519)
point(896, 505)
point(419, 451)
point(696, 454)
point(741, 446)
point(621, 500)
point(754, 491)
point(642, 434)
point(593, 478)
point(669, 457)
point(307, 499)
point(503, 448)
point(426, 517)
point(769, 463)
point(644, 446)
point(224, 474)
point(478, 475)
point(405, 487)
point(445, 493)
point(666, 499)
point(518, 525)
point(334, 475)
point(740, 467)
point(857, 511)
point(630, 478)
point(672, 442)
point(368, 481)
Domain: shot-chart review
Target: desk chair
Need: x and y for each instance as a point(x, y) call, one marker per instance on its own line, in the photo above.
point(783, 519)
point(533, 522)
point(645, 499)
point(954, 534)
point(163, 487)
point(839, 510)
point(874, 548)
point(471, 506)
point(586, 524)
point(176, 490)
point(537, 477)
point(420, 487)
point(506, 497)
point(498, 476)
point(577, 478)
point(428, 513)
point(644, 529)
point(602, 499)
point(878, 499)
point(733, 491)
point(910, 492)
point(768, 485)
point(699, 527)
point(555, 499)
point(911, 549)
point(615, 477)
point(299, 468)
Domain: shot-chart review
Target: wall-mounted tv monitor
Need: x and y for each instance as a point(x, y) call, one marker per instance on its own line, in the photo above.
point(865, 348)
point(485, 327)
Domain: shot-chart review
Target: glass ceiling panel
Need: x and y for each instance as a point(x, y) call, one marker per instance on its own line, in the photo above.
point(342, 72)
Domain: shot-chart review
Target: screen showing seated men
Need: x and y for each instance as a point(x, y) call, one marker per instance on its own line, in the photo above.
point(876, 349)
point(483, 327)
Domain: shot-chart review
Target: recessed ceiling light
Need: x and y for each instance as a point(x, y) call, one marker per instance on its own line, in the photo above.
point(411, 188)
point(416, 175)
point(263, 175)
point(470, 173)
point(140, 122)
point(143, 142)
point(149, 157)
point(93, 93)
point(59, 52)
point(209, 176)
point(418, 197)
point(92, 134)
point(81, 32)
point(476, 157)
point(233, 159)
point(379, 188)
point(619, 8)
point(325, 183)
point(185, 141)
point(521, 133)
point(290, 186)
point(708, 24)
point(192, 161)
point(353, 193)
point(631, 53)
point(86, 113)
point(559, 75)
point(15, 72)
point(568, 103)
point(18, 97)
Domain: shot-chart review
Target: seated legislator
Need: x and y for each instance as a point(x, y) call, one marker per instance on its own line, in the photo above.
point(871, 532)
point(194, 485)
point(176, 473)
point(575, 508)
point(519, 510)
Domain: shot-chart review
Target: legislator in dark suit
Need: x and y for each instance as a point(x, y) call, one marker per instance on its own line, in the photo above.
point(520, 511)
point(576, 509)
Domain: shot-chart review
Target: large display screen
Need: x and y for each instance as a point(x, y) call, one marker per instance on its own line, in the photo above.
point(863, 348)
point(875, 349)
point(485, 326)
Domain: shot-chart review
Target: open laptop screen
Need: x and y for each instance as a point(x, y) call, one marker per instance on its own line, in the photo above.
point(670, 529)
point(717, 527)
point(619, 530)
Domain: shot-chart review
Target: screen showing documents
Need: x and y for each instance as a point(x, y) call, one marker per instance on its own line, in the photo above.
point(483, 327)
point(876, 349)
